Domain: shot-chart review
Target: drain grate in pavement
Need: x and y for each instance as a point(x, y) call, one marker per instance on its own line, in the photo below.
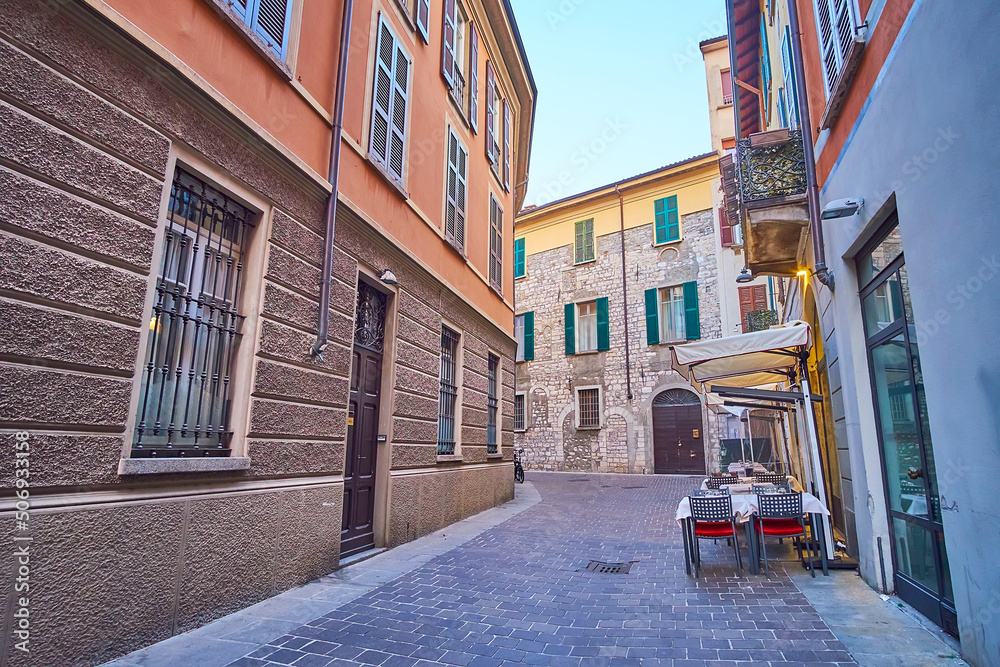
point(579, 479)
point(641, 486)
point(609, 568)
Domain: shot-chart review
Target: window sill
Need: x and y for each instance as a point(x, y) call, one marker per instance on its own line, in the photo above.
point(521, 277)
point(453, 244)
point(666, 243)
point(584, 352)
point(586, 261)
point(588, 428)
point(450, 458)
point(495, 456)
point(380, 170)
point(258, 44)
point(182, 465)
point(520, 430)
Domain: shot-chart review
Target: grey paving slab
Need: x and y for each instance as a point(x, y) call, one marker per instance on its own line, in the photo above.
point(511, 587)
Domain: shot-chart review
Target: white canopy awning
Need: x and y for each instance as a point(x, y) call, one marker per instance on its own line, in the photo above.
point(745, 360)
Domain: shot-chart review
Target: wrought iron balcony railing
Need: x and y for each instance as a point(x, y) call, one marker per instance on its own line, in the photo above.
point(759, 320)
point(770, 166)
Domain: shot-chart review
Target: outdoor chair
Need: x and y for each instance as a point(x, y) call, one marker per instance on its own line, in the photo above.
point(712, 518)
point(769, 478)
point(780, 515)
point(771, 488)
point(717, 482)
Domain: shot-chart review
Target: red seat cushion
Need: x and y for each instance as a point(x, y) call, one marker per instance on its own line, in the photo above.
point(713, 529)
point(780, 527)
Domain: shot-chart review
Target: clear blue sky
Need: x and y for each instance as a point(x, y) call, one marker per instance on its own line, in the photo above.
point(621, 88)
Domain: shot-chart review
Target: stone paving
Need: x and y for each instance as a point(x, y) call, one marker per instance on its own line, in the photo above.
point(519, 593)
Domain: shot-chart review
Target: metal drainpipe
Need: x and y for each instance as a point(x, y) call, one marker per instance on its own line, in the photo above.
point(823, 274)
point(330, 215)
point(628, 362)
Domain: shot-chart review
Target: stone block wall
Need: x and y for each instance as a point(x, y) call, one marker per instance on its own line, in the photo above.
point(88, 131)
point(624, 443)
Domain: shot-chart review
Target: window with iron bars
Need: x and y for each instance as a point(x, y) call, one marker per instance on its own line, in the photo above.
point(589, 405)
point(519, 423)
point(185, 398)
point(493, 368)
point(448, 394)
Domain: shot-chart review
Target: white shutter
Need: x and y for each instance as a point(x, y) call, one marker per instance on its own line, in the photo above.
point(423, 16)
point(836, 32)
point(270, 21)
point(458, 159)
point(382, 95)
point(397, 138)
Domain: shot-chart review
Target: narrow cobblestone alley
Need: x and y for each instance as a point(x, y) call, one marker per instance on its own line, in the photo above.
point(520, 593)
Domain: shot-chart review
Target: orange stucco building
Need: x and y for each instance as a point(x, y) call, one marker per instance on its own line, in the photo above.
point(202, 433)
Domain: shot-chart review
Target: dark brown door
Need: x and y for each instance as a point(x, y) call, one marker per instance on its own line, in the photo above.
point(357, 531)
point(678, 444)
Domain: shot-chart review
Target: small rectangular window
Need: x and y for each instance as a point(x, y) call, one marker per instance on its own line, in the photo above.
point(672, 314)
point(492, 371)
point(519, 336)
point(589, 406)
point(448, 392)
point(519, 416)
point(584, 248)
point(185, 397)
point(587, 326)
point(519, 267)
point(727, 87)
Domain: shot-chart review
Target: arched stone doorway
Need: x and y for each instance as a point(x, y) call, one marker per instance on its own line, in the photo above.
point(678, 433)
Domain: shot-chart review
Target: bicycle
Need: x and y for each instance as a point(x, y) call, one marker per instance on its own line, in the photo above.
point(518, 468)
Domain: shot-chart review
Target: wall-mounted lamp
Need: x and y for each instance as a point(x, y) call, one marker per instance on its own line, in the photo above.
point(388, 277)
point(745, 276)
point(842, 208)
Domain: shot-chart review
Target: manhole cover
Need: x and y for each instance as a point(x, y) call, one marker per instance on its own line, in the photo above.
point(609, 568)
point(635, 487)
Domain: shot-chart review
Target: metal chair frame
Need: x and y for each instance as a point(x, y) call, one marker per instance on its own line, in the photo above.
point(718, 482)
point(770, 488)
point(712, 509)
point(769, 478)
point(710, 493)
point(781, 506)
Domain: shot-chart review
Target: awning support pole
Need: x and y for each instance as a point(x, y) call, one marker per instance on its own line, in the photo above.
point(814, 455)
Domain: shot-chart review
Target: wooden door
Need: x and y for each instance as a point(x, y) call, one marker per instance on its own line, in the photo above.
point(357, 530)
point(678, 438)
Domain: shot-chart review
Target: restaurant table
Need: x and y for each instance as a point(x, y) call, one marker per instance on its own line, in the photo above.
point(741, 466)
point(744, 506)
point(745, 482)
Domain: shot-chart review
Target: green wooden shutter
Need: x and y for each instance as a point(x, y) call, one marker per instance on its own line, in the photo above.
point(518, 258)
point(660, 208)
point(570, 315)
point(673, 221)
point(529, 335)
point(603, 325)
point(652, 318)
point(692, 318)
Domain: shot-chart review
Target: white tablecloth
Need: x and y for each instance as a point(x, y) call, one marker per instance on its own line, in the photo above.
point(745, 482)
point(745, 504)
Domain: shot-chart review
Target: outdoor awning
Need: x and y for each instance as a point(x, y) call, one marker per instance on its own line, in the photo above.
point(744, 360)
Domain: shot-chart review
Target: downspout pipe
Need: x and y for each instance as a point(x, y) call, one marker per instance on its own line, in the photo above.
point(628, 360)
point(822, 272)
point(330, 214)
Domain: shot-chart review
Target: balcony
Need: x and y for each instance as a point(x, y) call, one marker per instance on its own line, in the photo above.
point(771, 178)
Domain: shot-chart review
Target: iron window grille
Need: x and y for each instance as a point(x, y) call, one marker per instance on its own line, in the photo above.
point(589, 403)
point(448, 393)
point(184, 401)
point(493, 367)
point(519, 421)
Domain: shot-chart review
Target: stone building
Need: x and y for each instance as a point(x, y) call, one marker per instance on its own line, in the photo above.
point(164, 227)
point(594, 389)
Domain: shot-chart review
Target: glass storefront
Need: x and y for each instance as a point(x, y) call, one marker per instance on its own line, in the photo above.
point(921, 562)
